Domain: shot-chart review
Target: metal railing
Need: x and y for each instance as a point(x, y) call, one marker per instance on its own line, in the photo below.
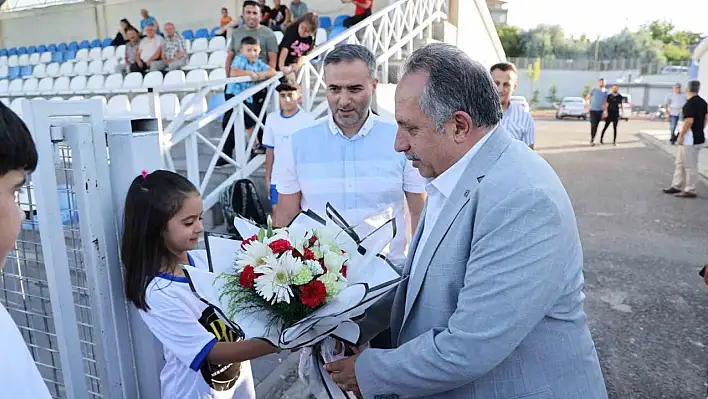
point(387, 34)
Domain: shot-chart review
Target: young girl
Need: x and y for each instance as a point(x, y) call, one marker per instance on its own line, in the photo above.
point(162, 224)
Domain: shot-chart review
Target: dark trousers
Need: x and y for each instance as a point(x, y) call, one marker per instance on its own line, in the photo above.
point(255, 107)
point(134, 67)
point(613, 119)
point(382, 341)
point(595, 118)
point(355, 19)
point(674, 119)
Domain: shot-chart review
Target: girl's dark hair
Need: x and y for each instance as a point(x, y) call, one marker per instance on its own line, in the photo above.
point(312, 19)
point(149, 205)
point(17, 149)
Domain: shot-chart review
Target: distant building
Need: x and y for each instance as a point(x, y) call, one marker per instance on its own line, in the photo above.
point(499, 10)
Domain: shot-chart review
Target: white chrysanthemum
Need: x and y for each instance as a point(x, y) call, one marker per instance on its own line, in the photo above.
point(278, 234)
point(254, 254)
point(315, 267)
point(274, 284)
point(289, 262)
point(333, 262)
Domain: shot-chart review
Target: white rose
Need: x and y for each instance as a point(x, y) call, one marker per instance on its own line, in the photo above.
point(333, 262)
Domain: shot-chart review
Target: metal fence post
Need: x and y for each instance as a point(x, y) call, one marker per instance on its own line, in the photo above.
point(134, 146)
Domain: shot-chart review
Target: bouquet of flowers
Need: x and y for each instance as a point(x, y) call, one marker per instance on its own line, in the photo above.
point(300, 285)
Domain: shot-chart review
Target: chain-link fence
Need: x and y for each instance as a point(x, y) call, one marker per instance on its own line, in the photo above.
point(523, 63)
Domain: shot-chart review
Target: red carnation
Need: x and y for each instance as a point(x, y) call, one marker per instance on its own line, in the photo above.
point(247, 277)
point(321, 262)
point(344, 271)
point(297, 254)
point(248, 241)
point(280, 246)
point(309, 255)
point(313, 240)
point(313, 294)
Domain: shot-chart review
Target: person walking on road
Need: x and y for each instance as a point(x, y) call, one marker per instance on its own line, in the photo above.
point(612, 108)
point(596, 97)
point(674, 103)
point(690, 139)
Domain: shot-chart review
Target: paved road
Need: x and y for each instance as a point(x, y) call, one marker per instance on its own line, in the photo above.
point(645, 302)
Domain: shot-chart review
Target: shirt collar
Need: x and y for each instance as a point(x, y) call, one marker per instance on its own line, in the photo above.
point(446, 182)
point(365, 128)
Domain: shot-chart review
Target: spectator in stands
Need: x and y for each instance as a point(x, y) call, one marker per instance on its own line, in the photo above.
point(250, 27)
point(363, 11)
point(132, 62)
point(280, 16)
point(146, 20)
point(265, 13)
point(298, 8)
point(122, 35)
point(150, 49)
point(247, 63)
point(224, 22)
point(297, 42)
point(174, 55)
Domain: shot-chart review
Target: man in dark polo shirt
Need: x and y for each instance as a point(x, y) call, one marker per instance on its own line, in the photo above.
point(691, 138)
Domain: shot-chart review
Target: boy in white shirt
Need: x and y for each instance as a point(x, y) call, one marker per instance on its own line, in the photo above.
point(19, 377)
point(280, 125)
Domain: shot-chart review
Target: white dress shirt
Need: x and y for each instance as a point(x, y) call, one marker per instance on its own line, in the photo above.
point(439, 190)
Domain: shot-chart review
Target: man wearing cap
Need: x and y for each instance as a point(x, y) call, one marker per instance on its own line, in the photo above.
point(674, 103)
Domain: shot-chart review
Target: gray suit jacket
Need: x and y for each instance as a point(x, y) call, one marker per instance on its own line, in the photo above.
point(494, 309)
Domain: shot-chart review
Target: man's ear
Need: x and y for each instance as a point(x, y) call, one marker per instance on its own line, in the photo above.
point(374, 84)
point(462, 126)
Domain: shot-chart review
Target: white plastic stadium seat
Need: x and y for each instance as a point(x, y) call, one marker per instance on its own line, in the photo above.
point(76, 98)
point(46, 86)
point(3, 60)
point(16, 106)
point(103, 100)
point(77, 84)
point(197, 76)
point(15, 87)
point(30, 86)
point(53, 69)
point(5, 101)
point(45, 58)
point(113, 82)
point(4, 85)
point(66, 69)
point(192, 112)
point(83, 54)
point(217, 43)
point(321, 36)
point(199, 45)
point(188, 46)
point(218, 73)
point(152, 79)
point(57, 99)
point(174, 78)
point(108, 53)
point(197, 60)
point(140, 105)
point(118, 105)
point(169, 106)
point(81, 68)
point(217, 59)
point(12, 60)
point(132, 81)
point(94, 84)
point(95, 67)
point(34, 59)
point(95, 54)
point(120, 52)
point(23, 60)
point(109, 67)
point(39, 71)
point(278, 36)
point(61, 85)
point(4, 70)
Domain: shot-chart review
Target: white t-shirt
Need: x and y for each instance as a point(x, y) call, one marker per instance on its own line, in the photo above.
point(148, 47)
point(278, 130)
point(173, 318)
point(19, 377)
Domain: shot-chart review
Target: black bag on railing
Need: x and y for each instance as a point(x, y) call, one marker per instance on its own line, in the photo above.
point(242, 199)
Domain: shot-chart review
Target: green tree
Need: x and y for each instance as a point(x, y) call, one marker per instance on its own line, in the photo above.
point(536, 97)
point(552, 94)
point(509, 37)
point(586, 90)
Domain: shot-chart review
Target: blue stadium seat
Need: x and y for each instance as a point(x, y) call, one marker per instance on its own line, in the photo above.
point(215, 101)
point(336, 31)
point(107, 42)
point(188, 34)
point(339, 21)
point(52, 47)
point(95, 43)
point(31, 49)
point(22, 50)
point(69, 55)
point(26, 71)
point(213, 31)
point(325, 22)
point(58, 56)
point(73, 46)
point(12, 51)
point(13, 72)
point(84, 44)
point(41, 48)
point(202, 33)
point(62, 47)
point(3, 52)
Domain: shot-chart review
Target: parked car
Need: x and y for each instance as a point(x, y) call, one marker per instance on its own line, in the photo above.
point(572, 106)
point(520, 100)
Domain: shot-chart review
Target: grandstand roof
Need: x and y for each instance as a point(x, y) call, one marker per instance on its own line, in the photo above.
point(16, 5)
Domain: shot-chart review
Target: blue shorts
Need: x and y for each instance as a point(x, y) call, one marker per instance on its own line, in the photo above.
point(273, 195)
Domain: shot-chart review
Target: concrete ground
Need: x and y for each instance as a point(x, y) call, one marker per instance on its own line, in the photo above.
point(645, 302)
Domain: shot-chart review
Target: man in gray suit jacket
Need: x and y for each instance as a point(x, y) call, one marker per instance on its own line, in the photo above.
point(492, 307)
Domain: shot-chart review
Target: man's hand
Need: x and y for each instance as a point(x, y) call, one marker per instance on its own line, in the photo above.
point(343, 372)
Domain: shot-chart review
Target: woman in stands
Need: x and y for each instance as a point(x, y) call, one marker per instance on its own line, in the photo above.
point(224, 22)
point(363, 11)
point(297, 42)
point(280, 16)
point(122, 35)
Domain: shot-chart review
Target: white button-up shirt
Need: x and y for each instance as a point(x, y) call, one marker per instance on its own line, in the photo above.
point(439, 190)
point(519, 124)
